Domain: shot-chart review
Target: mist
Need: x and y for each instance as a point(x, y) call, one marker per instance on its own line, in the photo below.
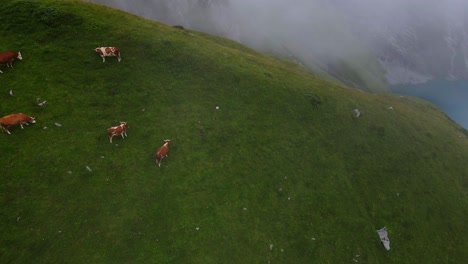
point(310, 32)
point(366, 44)
point(403, 41)
point(306, 29)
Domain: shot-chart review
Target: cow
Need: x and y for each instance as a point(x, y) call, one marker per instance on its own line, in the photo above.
point(120, 130)
point(108, 51)
point(7, 57)
point(14, 120)
point(162, 152)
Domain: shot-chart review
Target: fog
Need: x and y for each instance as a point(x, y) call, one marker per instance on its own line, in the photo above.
point(414, 40)
point(382, 41)
point(305, 29)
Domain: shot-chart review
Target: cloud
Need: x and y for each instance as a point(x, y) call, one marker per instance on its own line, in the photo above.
point(329, 34)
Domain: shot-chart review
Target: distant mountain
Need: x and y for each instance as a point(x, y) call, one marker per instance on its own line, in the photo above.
point(415, 41)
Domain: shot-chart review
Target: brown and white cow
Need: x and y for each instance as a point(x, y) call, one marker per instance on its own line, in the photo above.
point(108, 51)
point(14, 120)
point(120, 130)
point(7, 57)
point(162, 152)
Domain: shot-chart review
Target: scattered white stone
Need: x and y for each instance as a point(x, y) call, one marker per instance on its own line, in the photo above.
point(11, 92)
point(271, 246)
point(60, 231)
point(358, 113)
point(58, 124)
point(88, 168)
point(245, 209)
point(384, 237)
point(197, 228)
point(282, 250)
point(217, 107)
point(102, 157)
point(45, 127)
point(18, 219)
point(69, 172)
point(313, 238)
point(390, 108)
point(289, 198)
point(42, 103)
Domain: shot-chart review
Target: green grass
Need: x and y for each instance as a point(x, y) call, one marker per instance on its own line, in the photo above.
point(283, 161)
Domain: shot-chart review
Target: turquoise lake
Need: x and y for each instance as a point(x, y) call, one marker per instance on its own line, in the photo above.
point(450, 96)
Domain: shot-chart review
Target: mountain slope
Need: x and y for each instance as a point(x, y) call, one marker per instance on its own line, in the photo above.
point(365, 44)
point(284, 172)
point(311, 32)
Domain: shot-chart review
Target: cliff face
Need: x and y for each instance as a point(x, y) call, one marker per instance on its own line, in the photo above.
point(363, 43)
point(408, 59)
point(414, 42)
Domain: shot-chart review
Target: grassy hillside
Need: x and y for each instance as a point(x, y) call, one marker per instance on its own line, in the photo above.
point(284, 172)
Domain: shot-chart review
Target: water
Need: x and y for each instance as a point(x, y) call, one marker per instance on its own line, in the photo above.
point(450, 96)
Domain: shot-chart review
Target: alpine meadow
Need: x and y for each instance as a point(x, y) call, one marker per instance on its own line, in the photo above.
point(268, 162)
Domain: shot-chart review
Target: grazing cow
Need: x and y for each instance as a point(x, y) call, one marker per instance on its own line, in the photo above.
point(108, 51)
point(7, 57)
point(162, 152)
point(14, 120)
point(120, 130)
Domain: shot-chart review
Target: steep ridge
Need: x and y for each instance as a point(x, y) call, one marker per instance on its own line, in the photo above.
point(365, 44)
point(311, 32)
point(283, 171)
